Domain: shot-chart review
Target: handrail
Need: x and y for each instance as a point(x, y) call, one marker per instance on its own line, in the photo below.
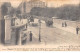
point(18, 26)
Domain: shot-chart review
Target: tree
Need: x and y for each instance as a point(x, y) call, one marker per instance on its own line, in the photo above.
point(4, 8)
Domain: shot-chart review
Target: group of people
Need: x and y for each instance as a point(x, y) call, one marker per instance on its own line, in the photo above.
point(64, 24)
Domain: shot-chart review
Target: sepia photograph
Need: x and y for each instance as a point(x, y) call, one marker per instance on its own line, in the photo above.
point(39, 25)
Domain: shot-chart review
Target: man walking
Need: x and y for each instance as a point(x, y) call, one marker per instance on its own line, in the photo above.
point(65, 24)
point(77, 30)
point(62, 24)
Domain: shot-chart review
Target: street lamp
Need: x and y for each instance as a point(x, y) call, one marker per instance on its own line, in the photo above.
point(39, 30)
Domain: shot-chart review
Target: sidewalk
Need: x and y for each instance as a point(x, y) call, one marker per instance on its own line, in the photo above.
point(68, 28)
point(35, 31)
point(34, 37)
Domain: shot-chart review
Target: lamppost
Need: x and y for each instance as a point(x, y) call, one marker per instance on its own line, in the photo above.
point(39, 30)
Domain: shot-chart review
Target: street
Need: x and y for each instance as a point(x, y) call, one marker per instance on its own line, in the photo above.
point(54, 35)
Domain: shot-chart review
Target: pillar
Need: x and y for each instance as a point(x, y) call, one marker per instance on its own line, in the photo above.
point(7, 29)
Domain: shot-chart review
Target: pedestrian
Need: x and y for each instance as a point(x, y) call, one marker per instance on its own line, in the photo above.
point(31, 36)
point(62, 24)
point(77, 30)
point(65, 24)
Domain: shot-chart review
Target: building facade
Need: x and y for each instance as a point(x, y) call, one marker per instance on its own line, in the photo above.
point(27, 6)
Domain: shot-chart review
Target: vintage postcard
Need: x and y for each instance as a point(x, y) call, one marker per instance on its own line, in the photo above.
point(39, 25)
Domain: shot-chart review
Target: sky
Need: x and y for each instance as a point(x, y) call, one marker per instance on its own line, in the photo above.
point(50, 3)
point(58, 3)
